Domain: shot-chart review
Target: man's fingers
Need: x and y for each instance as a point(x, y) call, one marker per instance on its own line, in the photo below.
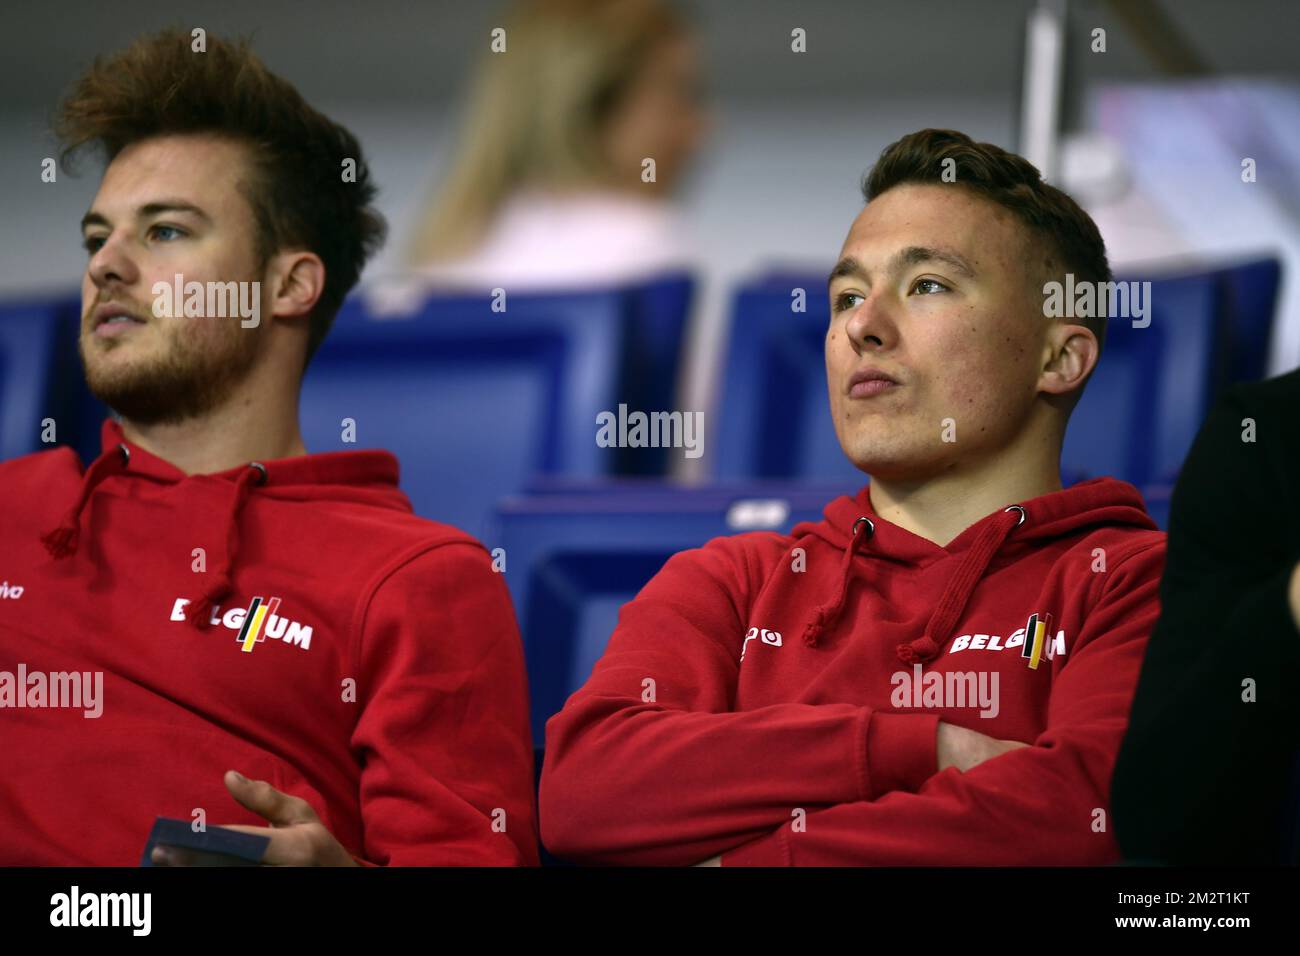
point(285, 849)
point(267, 802)
point(304, 844)
point(245, 828)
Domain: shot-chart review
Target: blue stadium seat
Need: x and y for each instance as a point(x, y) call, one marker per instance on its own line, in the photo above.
point(27, 342)
point(575, 556)
point(773, 419)
point(474, 403)
point(40, 377)
point(1152, 389)
point(657, 313)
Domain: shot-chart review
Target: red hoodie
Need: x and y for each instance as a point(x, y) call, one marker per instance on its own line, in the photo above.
point(382, 681)
point(760, 697)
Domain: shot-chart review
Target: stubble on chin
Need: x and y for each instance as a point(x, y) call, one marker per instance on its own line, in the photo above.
point(186, 378)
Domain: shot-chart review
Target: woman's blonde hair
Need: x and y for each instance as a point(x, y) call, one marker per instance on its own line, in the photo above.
point(537, 109)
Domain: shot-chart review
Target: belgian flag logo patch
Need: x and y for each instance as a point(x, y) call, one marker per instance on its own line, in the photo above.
point(1036, 631)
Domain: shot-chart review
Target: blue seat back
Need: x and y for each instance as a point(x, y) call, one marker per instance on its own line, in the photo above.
point(575, 556)
point(476, 401)
point(773, 419)
point(41, 378)
point(657, 312)
point(473, 402)
point(1151, 390)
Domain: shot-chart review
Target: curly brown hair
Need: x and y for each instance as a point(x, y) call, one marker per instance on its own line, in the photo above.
point(160, 86)
point(1010, 181)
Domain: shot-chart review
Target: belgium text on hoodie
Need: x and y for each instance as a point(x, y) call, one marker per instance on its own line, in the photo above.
point(775, 699)
point(291, 620)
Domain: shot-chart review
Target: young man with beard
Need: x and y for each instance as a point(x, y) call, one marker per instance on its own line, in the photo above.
point(940, 671)
point(283, 646)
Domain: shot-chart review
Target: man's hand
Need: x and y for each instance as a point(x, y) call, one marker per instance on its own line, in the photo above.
point(956, 747)
point(963, 749)
point(298, 838)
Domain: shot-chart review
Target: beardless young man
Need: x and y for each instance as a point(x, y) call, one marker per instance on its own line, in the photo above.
point(939, 671)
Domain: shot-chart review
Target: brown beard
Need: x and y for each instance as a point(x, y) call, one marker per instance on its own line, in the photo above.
point(196, 375)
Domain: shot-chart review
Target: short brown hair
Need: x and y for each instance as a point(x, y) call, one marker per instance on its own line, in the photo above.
point(1008, 180)
point(158, 86)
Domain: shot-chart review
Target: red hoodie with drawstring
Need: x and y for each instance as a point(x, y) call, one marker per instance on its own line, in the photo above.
point(292, 620)
point(775, 699)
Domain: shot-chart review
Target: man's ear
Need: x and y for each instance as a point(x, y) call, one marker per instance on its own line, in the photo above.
point(295, 281)
point(1069, 357)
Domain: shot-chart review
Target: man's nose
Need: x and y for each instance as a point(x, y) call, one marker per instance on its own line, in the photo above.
point(112, 262)
point(872, 324)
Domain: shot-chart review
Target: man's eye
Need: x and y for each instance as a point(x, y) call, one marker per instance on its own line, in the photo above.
point(842, 303)
point(155, 230)
point(920, 284)
point(93, 243)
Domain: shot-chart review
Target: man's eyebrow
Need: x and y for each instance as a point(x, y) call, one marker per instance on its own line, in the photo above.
point(92, 218)
point(915, 255)
point(147, 211)
point(848, 266)
point(911, 256)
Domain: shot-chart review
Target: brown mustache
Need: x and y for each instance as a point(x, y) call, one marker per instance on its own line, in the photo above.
point(131, 309)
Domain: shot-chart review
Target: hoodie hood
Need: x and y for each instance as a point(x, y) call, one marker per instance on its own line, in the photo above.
point(361, 477)
point(851, 525)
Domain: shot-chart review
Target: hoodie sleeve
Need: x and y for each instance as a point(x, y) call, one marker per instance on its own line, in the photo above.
point(443, 735)
point(1041, 805)
point(647, 764)
point(1205, 768)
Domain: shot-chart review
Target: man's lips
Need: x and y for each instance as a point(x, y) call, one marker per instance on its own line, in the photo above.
point(112, 320)
point(867, 382)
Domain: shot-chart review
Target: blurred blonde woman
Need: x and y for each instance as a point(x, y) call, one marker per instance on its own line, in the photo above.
point(547, 186)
